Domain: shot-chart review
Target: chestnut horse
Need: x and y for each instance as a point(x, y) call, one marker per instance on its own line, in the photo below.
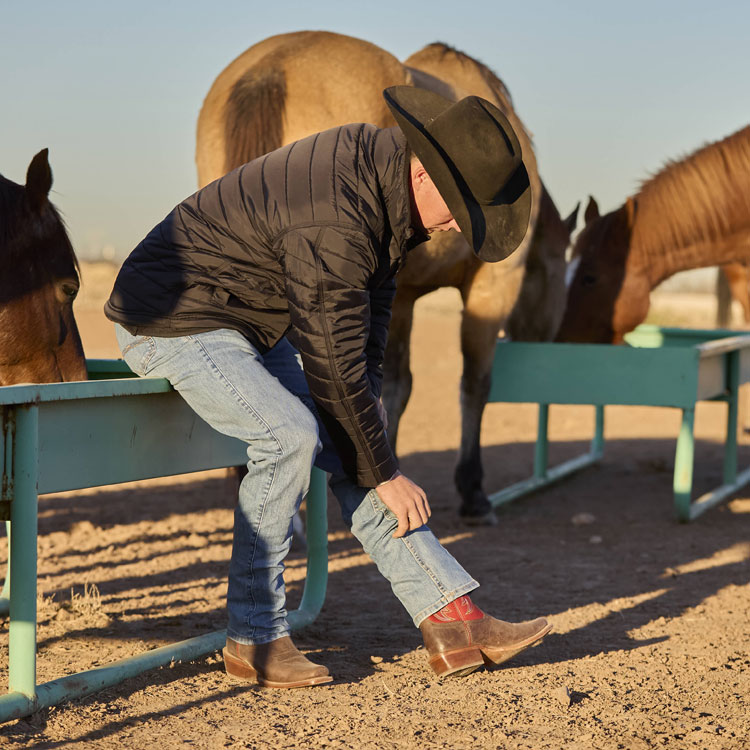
point(292, 85)
point(39, 339)
point(732, 283)
point(693, 213)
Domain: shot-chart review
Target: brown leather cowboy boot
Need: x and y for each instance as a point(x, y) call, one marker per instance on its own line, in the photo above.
point(460, 638)
point(277, 664)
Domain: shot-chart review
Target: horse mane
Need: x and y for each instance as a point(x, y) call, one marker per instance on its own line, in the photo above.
point(440, 50)
point(254, 115)
point(700, 198)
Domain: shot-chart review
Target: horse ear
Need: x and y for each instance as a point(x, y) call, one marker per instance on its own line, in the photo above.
point(631, 206)
point(572, 220)
point(38, 180)
point(592, 210)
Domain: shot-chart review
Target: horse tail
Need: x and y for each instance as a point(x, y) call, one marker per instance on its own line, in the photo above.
point(253, 124)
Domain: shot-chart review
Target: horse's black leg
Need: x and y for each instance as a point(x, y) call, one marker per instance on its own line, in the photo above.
point(487, 296)
point(469, 475)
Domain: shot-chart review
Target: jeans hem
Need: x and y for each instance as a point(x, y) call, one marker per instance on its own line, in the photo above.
point(446, 598)
point(245, 641)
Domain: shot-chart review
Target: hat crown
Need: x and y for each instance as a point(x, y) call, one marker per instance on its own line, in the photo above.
point(473, 156)
point(482, 142)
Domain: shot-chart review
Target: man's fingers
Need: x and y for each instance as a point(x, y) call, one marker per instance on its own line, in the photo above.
point(427, 508)
point(403, 525)
point(408, 502)
point(424, 507)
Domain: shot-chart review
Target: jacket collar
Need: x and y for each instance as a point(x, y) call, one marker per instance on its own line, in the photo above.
point(392, 160)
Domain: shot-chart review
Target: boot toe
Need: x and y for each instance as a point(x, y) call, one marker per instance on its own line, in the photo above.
point(512, 639)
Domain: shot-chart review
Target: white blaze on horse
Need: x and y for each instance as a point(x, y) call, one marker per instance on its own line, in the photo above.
point(39, 339)
point(293, 85)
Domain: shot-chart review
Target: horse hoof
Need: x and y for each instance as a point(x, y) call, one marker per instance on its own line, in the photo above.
point(486, 518)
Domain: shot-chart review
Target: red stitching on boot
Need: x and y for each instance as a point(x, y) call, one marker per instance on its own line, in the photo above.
point(459, 610)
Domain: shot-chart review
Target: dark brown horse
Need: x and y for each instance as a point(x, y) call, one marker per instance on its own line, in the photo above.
point(39, 339)
point(693, 213)
point(292, 85)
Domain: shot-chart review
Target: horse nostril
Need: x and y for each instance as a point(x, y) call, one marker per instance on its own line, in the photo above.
point(588, 279)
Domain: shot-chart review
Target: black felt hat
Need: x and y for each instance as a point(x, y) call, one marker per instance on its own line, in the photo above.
point(473, 156)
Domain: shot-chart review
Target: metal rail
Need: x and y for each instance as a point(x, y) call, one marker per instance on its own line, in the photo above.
point(112, 428)
point(662, 367)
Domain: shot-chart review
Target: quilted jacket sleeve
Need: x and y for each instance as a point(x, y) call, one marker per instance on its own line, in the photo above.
point(340, 328)
point(381, 302)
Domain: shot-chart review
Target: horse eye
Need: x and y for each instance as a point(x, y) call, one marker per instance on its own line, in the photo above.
point(69, 289)
point(588, 279)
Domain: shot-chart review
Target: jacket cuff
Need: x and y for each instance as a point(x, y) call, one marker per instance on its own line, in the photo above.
point(373, 476)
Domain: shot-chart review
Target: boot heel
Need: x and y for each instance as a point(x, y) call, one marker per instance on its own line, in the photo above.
point(237, 668)
point(456, 663)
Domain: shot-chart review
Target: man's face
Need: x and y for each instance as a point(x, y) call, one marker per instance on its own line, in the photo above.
point(429, 205)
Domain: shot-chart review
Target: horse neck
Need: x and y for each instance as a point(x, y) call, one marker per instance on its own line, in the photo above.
point(661, 264)
point(694, 213)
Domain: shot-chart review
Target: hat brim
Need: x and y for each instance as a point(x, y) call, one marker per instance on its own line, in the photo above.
point(493, 230)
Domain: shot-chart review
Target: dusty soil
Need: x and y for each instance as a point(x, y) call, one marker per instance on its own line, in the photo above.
point(649, 649)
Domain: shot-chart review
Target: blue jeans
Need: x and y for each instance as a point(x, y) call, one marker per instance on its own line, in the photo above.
point(264, 401)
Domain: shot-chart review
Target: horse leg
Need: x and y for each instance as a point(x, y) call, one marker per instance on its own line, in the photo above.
point(397, 380)
point(486, 308)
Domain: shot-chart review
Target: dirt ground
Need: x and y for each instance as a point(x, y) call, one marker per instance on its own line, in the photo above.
point(650, 642)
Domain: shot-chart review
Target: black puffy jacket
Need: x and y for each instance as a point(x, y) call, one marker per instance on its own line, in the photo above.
point(303, 242)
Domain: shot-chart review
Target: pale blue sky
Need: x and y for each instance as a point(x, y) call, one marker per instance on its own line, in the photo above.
point(609, 90)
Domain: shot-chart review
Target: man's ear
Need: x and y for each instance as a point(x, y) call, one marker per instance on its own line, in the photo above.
point(418, 172)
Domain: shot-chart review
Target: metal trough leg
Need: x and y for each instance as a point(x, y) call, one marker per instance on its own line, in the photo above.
point(25, 700)
point(732, 480)
point(7, 420)
point(23, 523)
point(683, 466)
point(543, 476)
point(730, 444)
point(5, 594)
point(316, 581)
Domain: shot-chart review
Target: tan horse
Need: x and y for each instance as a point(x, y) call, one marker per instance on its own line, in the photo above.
point(693, 213)
point(39, 340)
point(293, 85)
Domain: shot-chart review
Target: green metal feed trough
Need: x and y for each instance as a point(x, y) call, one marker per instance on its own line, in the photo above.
point(117, 428)
point(659, 367)
point(112, 428)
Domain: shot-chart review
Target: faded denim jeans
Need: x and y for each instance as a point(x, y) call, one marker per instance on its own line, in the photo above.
point(264, 401)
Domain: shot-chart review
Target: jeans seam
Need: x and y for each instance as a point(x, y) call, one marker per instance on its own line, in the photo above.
point(405, 540)
point(422, 565)
point(149, 354)
point(267, 490)
point(147, 357)
point(445, 596)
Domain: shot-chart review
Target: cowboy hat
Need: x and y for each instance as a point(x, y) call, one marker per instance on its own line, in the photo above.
point(473, 156)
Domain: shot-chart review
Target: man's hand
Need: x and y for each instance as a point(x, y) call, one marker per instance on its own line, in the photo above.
point(407, 501)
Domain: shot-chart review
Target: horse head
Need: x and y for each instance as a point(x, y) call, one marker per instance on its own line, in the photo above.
point(538, 312)
point(607, 295)
point(39, 338)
